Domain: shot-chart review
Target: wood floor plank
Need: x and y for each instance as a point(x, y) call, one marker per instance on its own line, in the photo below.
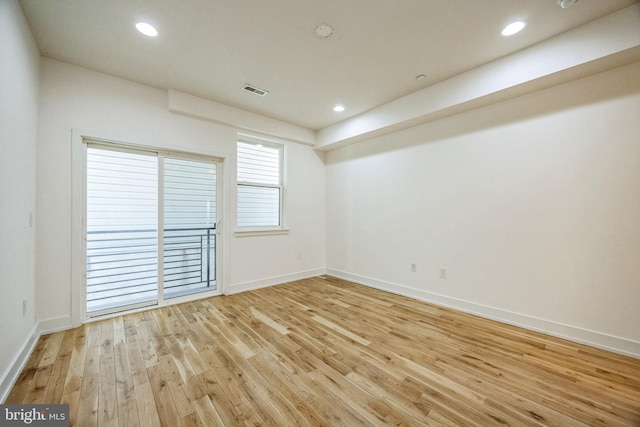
point(87, 414)
point(136, 361)
point(176, 386)
point(324, 352)
point(164, 404)
point(73, 381)
point(146, 407)
point(147, 347)
point(107, 397)
point(207, 413)
point(373, 413)
point(119, 335)
point(239, 402)
point(38, 384)
point(214, 389)
point(51, 350)
point(125, 393)
point(19, 391)
point(128, 414)
point(55, 388)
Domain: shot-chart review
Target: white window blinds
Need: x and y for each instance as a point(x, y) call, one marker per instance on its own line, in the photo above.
point(259, 184)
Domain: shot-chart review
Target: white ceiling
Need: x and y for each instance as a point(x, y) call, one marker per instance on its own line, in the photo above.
point(211, 48)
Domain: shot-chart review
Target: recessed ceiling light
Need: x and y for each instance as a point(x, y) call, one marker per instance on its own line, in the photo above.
point(513, 28)
point(338, 108)
point(146, 29)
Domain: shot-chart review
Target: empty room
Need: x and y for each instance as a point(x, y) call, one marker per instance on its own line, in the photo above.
point(320, 213)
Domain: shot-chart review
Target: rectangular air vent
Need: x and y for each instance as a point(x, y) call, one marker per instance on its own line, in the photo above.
point(255, 90)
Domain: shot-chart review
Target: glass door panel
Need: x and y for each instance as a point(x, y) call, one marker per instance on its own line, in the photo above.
point(122, 230)
point(189, 249)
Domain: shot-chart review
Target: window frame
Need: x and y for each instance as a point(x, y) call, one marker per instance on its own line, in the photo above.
point(281, 228)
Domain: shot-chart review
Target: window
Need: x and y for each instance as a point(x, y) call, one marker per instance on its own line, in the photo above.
point(260, 184)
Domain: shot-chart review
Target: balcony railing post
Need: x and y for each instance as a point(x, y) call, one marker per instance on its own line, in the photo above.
point(208, 257)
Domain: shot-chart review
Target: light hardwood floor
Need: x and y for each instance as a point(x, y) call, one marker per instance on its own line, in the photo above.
point(323, 351)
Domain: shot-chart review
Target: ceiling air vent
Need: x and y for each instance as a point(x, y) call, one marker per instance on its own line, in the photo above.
point(254, 90)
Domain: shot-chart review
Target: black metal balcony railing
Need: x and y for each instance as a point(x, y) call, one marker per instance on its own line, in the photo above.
point(122, 266)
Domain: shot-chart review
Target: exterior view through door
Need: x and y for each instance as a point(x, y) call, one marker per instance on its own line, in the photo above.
point(150, 227)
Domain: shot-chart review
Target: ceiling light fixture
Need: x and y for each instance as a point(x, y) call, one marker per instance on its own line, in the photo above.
point(147, 29)
point(338, 108)
point(513, 28)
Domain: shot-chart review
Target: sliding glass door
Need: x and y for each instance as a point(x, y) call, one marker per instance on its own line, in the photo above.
point(151, 228)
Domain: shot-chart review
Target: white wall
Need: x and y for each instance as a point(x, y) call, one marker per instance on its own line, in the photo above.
point(106, 107)
point(18, 138)
point(532, 204)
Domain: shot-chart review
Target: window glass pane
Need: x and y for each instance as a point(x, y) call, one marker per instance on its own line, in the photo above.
point(189, 193)
point(258, 206)
point(258, 164)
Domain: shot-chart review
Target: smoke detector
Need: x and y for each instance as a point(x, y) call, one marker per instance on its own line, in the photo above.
point(566, 4)
point(254, 90)
point(323, 31)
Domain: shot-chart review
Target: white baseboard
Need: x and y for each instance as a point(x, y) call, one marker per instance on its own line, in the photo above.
point(572, 333)
point(271, 281)
point(18, 363)
point(55, 324)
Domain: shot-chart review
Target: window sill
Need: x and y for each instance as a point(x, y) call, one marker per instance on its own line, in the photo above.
point(248, 232)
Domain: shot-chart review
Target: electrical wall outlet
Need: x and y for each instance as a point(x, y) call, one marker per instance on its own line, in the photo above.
point(443, 272)
point(413, 267)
